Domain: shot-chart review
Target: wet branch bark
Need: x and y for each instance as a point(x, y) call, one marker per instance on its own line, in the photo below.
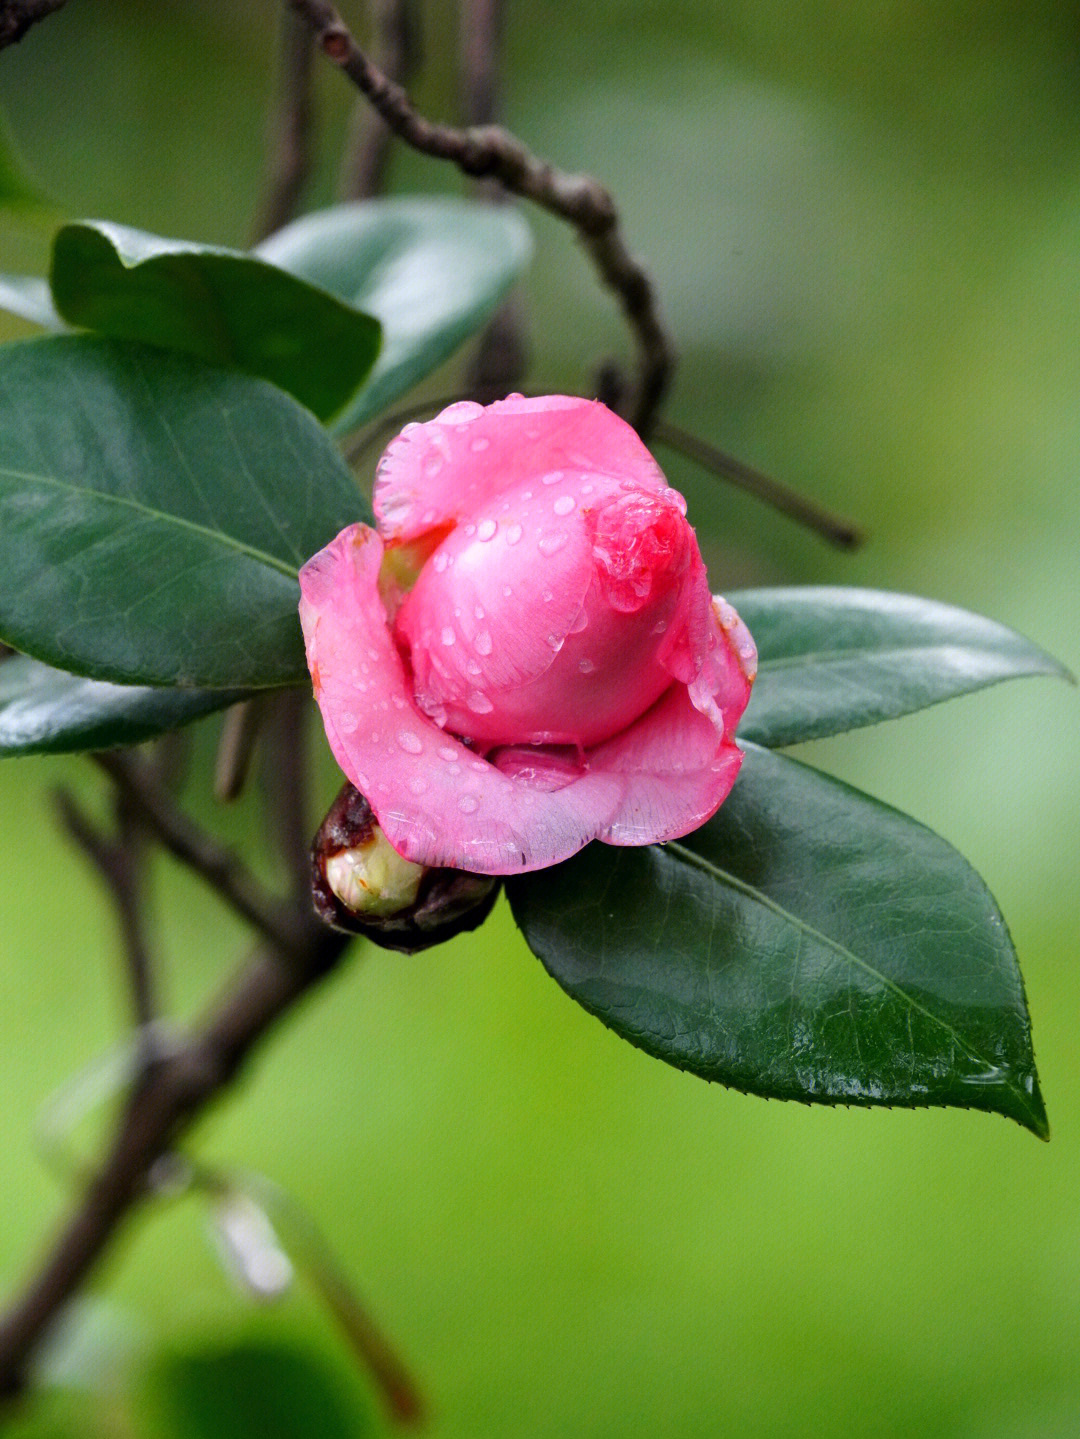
point(489, 152)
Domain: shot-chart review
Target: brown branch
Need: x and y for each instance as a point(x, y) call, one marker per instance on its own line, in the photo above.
point(289, 158)
point(119, 861)
point(397, 48)
point(172, 1094)
point(16, 17)
point(220, 867)
point(487, 151)
point(500, 359)
point(834, 528)
point(236, 748)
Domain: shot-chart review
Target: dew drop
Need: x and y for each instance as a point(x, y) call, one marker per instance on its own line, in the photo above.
point(397, 702)
point(659, 627)
point(411, 743)
point(418, 784)
point(439, 561)
point(483, 643)
point(448, 636)
point(432, 468)
point(478, 702)
point(468, 804)
point(552, 543)
point(428, 517)
point(347, 724)
point(447, 753)
point(555, 641)
point(479, 612)
point(552, 477)
point(473, 669)
point(479, 445)
point(565, 505)
point(513, 534)
point(507, 592)
point(586, 666)
point(547, 597)
point(587, 489)
point(486, 529)
point(374, 736)
point(581, 623)
point(470, 530)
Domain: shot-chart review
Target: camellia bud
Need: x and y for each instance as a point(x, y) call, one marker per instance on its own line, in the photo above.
point(362, 885)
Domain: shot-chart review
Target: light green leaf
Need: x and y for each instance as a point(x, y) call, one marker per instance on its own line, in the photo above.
point(432, 270)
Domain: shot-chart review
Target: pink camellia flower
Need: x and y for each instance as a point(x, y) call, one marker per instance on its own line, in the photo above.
point(525, 656)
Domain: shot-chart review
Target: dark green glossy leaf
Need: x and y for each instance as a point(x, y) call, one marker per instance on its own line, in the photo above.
point(223, 306)
point(834, 659)
point(154, 512)
point(432, 270)
point(807, 943)
point(45, 711)
point(29, 297)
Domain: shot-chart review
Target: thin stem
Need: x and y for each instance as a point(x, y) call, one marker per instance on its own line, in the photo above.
point(173, 1093)
point(397, 47)
point(120, 863)
point(289, 157)
point(834, 528)
point(219, 866)
point(487, 151)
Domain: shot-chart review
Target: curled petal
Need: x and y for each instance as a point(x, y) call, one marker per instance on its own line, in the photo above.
point(679, 770)
point(454, 465)
point(437, 801)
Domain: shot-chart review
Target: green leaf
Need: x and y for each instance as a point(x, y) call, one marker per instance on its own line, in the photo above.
point(836, 659)
point(432, 270)
point(154, 512)
point(29, 297)
point(223, 306)
point(45, 711)
point(807, 943)
point(18, 192)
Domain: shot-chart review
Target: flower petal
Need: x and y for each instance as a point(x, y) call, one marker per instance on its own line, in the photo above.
point(679, 769)
point(437, 801)
point(454, 465)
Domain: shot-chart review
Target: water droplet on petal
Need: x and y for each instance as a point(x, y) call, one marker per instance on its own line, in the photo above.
point(439, 561)
point(565, 505)
point(479, 612)
point(347, 723)
point(479, 445)
point(468, 804)
point(507, 591)
point(432, 467)
point(552, 477)
point(446, 752)
point(555, 641)
point(586, 666)
point(448, 636)
point(418, 784)
point(486, 529)
point(479, 702)
point(428, 517)
point(483, 643)
point(581, 622)
point(411, 743)
point(470, 530)
point(659, 627)
point(552, 543)
point(513, 534)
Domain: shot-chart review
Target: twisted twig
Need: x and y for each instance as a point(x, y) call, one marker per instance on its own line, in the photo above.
point(487, 151)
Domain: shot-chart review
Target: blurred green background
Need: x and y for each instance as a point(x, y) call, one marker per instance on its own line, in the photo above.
point(864, 220)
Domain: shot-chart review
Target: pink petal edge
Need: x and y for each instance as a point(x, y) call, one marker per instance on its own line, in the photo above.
point(435, 473)
point(437, 802)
